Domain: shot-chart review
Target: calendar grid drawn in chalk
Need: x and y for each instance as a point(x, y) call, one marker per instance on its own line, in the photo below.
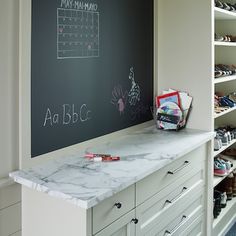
point(77, 33)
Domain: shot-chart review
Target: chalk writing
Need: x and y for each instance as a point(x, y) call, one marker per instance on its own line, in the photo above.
point(79, 5)
point(68, 115)
point(77, 30)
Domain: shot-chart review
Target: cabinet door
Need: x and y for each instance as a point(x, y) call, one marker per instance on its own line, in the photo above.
point(121, 227)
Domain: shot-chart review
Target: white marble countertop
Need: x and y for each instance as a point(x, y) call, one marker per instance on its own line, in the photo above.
point(86, 183)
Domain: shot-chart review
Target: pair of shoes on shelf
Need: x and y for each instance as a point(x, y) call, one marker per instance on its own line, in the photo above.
point(224, 70)
point(227, 102)
point(231, 38)
point(218, 106)
point(220, 201)
point(225, 38)
point(228, 185)
point(222, 166)
point(226, 134)
point(223, 103)
point(225, 5)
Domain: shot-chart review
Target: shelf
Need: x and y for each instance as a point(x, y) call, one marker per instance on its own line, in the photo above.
point(230, 206)
point(224, 79)
point(228, 44)
point(224, 112)
point(221, 14)
point(224, 148)
point(218, 179)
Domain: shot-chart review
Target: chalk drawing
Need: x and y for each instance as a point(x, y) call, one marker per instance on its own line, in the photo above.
point(134, 93)
point(77, 33)
point(119, 98)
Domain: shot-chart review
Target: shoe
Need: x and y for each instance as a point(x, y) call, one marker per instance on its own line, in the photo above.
point(218, 74)
point(217, 205)
point(227, 163)
point(232, 37)
point(217, 144)
point(219, 168)
point(229, 190)
point(219, 38)
point(226, 6)
point(225, 101)
point(223, 201)
point(232, 7)
point(219, 4)
point(223, 137)
point(223, 67)
point(215, 212)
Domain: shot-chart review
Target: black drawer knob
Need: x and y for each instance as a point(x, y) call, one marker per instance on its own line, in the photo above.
point(118, 205)
point(135, 221)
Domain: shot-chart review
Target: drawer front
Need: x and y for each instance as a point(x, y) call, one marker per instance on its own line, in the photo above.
point(10, 195)
point(178, 226)
point(195, 228)
point(156, 213)
point(121, 227)
point(152, 184)
point(112, 208)
point(10, 220)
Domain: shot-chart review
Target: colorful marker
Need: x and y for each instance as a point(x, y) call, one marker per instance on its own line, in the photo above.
point(93, 155)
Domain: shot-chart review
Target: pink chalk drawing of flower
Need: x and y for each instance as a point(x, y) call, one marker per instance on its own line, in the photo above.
point(119, 98)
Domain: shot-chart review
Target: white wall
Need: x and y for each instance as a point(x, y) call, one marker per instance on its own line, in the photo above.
point(10, 194)
point(9, 18)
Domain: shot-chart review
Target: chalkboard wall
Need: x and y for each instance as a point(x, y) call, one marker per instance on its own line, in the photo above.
point(91, 69)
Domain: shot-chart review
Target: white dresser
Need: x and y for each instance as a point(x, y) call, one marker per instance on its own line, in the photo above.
point(157, 188)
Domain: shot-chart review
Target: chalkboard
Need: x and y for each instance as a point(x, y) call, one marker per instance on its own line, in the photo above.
point(91, 69)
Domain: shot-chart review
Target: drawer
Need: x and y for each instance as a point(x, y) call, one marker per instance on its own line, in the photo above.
point(10, 220)
point(109, 210)
point(155, 213)
point(10, 195)
point(155, 182)
point(186, 220)
point(121, 227)
point(195, 228)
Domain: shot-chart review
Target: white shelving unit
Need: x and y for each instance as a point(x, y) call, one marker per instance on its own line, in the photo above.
point(225, 53)
point(185, 61)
